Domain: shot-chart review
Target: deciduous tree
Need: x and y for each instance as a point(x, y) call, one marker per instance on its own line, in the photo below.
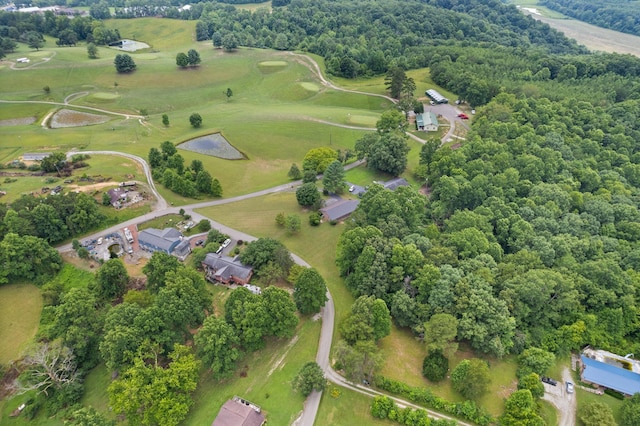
point(195, 119)
point(471, 378)
point(111, 280)
point(310, 378)
point(308, 195)
point(217, 344)
point(148, 394)
point(310, 291)
point(124, 63)
point(440, 334)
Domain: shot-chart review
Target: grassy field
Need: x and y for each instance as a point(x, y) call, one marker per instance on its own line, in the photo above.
point(20, 306)
point(346, 409)
point(587, 398)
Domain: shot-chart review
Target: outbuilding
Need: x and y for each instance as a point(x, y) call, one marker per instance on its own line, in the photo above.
point(427, 122)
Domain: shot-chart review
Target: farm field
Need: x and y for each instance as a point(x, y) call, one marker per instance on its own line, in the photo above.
point(593, 37)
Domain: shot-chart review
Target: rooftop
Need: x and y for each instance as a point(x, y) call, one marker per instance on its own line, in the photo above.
point(340, 209)
point(610, 376)
point(238, 412)
point(227, 267)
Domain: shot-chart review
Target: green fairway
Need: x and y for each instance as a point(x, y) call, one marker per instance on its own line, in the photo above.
point(274, 116)
point(20, 307)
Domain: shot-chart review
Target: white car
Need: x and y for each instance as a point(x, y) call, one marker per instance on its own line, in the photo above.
point(99, 240)
point(352, 188)
point(569, 387)
point(226, 243)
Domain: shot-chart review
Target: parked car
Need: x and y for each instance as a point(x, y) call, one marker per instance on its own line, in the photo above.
point(548, 380)
point(99, 240)
point(569, 387)
point(352, 188)
point(219, 250)
point(226, 243)
point(463, 116)
point(199, 242)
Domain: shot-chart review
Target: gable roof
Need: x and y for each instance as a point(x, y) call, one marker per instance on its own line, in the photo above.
point(610, 376)
point(227, 267)
point(165, 239)
point(234, 413)
point(340, 209)
point(395, 183)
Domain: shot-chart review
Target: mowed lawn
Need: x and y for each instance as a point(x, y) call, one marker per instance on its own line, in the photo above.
point(20, 307)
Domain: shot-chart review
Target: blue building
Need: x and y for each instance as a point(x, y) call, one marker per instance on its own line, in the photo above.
point(611, 374)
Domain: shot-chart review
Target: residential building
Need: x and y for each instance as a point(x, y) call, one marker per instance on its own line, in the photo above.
point(395, 183)
point(34, 156)
point(608, 370)
point(427, 122)
point(226, 270)
point(239, 412)
point(339, 210)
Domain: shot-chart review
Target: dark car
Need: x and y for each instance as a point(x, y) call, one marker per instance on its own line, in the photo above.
point(199, 242)
point(548, 380)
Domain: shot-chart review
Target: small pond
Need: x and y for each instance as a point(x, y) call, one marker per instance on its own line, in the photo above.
point(215, 145)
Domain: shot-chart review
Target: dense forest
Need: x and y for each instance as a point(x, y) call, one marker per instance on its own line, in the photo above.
point(619, 15)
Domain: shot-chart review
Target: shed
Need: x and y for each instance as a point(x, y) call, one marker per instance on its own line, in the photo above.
point(339, 210)
point(610, 376)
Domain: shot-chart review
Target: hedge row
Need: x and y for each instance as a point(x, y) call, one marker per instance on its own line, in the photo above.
point(467, 410)
point(384, 407)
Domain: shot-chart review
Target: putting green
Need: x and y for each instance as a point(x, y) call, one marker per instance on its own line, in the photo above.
point(312, 87)
point(267, 67)
point(103, 97)
point(147, 56)
point(362, 119)
point(40, 54)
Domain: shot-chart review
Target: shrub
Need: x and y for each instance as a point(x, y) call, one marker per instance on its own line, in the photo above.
point(435, 366)
point(315, 218)
point(615, 394)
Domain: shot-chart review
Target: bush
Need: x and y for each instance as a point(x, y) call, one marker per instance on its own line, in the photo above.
point(615, 394)
point(239, 243)
point(204, 225)
point(315, 218)
point(435, 366)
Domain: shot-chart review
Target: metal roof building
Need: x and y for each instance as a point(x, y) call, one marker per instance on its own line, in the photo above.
point(610, 376)
point(168, 240)
point(436, 96)
point(35, 156)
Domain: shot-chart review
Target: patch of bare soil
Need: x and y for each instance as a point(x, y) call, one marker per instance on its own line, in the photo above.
point(71, 118)
point(87, 188)
point(23, 121)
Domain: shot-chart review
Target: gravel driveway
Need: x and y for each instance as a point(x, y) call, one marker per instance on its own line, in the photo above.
point(564, 402)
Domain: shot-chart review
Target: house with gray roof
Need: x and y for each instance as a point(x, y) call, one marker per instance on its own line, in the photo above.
point(339, 210)
point(395, 183)
point(168, 240)
point(225, 269)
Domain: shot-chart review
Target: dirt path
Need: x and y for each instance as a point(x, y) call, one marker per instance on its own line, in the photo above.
point(104, 111)
point(28, 67)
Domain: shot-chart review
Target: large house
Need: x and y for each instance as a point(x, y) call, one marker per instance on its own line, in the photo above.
point(239, 412)
point(168, 240)
point(226, 270)
point(607, 370)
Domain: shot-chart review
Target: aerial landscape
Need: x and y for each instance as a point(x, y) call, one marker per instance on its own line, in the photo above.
point(296, 212)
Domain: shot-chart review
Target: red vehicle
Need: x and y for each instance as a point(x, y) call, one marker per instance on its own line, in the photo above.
point(463, 116)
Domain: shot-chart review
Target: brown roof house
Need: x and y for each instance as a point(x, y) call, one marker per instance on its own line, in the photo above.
point(226, 269)
point(239, 412)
